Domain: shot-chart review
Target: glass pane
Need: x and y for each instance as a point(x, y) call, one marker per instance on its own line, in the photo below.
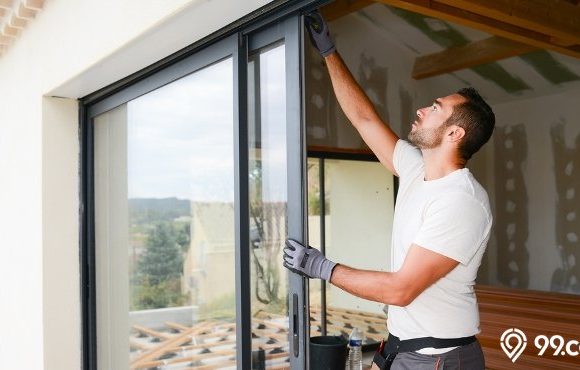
point(315, 236)
point(359, 207)
point(268, 199)
point(164, 218)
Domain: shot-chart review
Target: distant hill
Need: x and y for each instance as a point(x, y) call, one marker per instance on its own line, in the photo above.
point(151, 210)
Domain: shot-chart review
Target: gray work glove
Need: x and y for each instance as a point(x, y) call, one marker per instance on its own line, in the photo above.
point(319, 34)
point(307, 261)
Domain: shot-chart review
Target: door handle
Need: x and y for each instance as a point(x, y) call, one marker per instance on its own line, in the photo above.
point(295, 336)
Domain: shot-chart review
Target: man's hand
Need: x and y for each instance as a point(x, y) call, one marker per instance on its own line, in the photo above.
point(319, 34)
point(307, 261)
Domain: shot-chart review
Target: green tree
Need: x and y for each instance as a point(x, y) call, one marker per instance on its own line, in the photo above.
point(158, 274)
point(183, 235)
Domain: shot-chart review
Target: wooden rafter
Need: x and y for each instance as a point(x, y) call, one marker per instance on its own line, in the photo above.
point(495, 27)
point(551, 17)
point(183, 337)
point(467, 56)
point(340, 8)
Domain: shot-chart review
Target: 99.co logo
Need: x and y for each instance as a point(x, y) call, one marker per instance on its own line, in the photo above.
point(513, 341)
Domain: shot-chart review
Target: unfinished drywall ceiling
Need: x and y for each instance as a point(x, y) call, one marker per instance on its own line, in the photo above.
point(533, 74)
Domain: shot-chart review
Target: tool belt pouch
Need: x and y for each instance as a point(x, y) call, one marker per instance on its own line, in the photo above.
point(387, 352)
point(384, 363)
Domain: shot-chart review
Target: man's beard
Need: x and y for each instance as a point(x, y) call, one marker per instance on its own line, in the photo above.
point(427, 138)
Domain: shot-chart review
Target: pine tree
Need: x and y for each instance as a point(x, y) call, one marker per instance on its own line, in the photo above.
point(159, 270)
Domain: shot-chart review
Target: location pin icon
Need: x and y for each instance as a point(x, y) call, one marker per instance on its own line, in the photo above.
point(513, 350)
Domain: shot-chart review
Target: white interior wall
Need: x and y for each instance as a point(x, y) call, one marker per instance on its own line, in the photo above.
point(360, 224)
point(71, 49)
point(60, 282)
point(539, 115)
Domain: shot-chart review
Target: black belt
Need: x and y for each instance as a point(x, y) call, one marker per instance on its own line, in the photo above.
point(388, 350)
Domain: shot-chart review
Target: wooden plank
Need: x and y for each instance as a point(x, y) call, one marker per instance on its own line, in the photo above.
point(151, 332)
point(382, 326)
point(467, 56)
point(176, 341)
point(356, 313)
point(220, 365)
point(209, 345)
point(340, 8)
point(495, 27)
point(270, 329)
point(344, 317)
point(532, 312)
point(495, 359)
point(270, 323)
point(338, 329)
point(204, 356)
point(221, 330)
point(176, 326)
point(552, 17)
point(230, 363)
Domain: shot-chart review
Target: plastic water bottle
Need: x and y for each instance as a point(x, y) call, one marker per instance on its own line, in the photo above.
point(354, 361)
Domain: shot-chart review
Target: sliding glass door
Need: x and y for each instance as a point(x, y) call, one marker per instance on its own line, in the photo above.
point(164, 219)
point(193, 178)
point(276, 168)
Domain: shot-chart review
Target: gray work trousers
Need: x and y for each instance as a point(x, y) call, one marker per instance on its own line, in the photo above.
point(468, 357)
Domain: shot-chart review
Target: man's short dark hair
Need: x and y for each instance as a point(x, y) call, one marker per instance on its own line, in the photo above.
point(475, 116)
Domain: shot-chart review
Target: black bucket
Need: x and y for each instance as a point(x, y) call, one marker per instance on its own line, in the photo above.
point(328, 353)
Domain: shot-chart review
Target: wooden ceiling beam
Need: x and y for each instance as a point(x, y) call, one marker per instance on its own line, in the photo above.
point(467, 56)
point(551, 17)
point(436, 9)
point(340, 8)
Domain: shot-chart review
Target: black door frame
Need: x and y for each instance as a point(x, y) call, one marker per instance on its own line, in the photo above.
point(290, 32)
point(280, 19)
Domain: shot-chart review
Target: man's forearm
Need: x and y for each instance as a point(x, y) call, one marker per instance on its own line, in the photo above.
point(375, 286)
point(352, 99)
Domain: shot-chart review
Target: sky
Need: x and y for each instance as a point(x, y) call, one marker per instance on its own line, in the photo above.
point(181, 138)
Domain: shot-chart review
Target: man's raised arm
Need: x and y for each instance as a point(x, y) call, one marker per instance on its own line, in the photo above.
point(352, 99)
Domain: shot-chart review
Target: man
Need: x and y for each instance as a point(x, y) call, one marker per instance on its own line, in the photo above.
point(441, 227)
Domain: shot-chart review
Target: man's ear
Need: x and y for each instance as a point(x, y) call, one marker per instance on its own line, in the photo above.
point(455, 133)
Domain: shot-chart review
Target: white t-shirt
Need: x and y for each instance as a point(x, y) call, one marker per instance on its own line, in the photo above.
point(450, 216)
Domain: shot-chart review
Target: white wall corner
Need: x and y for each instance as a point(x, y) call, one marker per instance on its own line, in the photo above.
point(60, 230)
